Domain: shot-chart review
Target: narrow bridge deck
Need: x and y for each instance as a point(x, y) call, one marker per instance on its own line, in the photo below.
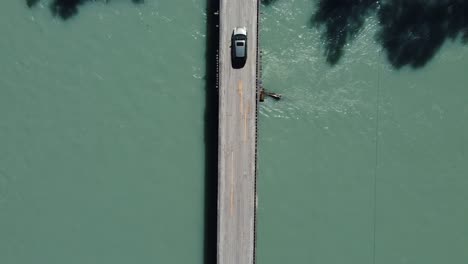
point(237, 136)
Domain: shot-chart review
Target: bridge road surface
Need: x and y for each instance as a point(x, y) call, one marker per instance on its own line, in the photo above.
point(237, 136)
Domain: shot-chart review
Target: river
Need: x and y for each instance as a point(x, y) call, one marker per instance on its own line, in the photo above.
point(103, 139)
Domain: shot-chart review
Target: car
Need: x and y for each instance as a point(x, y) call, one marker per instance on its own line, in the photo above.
point(239, 47)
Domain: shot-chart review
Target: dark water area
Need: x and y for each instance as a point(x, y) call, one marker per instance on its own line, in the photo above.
point(414, 31)
point(268, 2)
point(410, 33)
point(66, 9)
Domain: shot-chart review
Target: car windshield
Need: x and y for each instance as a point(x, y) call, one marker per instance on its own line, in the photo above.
point(240, 44)
point(240, 37)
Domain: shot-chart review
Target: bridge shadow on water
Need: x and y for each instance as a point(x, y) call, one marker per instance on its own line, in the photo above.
point(211, 133)
point(66, 9)
point(410, 32)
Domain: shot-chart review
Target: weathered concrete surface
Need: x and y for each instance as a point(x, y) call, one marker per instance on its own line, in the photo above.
point(237, 137)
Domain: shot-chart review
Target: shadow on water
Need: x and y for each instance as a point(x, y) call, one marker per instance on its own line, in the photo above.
point(411, 32)
point(340, 22)
point(31, 3)
point(268, 2)
point(66, 9)
point(211, 134)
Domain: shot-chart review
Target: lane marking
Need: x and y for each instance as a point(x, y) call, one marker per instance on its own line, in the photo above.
point(245, 122)
point(232, 185)
point(240, 92)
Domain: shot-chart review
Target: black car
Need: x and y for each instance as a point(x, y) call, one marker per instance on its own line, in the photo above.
point(239, 47)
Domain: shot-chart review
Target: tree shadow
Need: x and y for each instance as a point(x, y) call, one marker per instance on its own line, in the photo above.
point(410, 32)
point(211, 133)
point(268, 2)
point(66, 9)
point(31, 3)
point(340, 22)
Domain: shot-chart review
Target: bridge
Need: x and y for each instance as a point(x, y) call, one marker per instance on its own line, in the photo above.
point(237, 142)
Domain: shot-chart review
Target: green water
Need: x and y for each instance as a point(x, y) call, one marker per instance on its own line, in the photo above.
point(102, 153)
point(359, 160)
point(101, 133)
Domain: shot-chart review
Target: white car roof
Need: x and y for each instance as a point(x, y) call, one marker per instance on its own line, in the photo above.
point(240, 30)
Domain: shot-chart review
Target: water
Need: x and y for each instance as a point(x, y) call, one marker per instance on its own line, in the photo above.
point(102, 152)
point(360, 162)
point(101, 134)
